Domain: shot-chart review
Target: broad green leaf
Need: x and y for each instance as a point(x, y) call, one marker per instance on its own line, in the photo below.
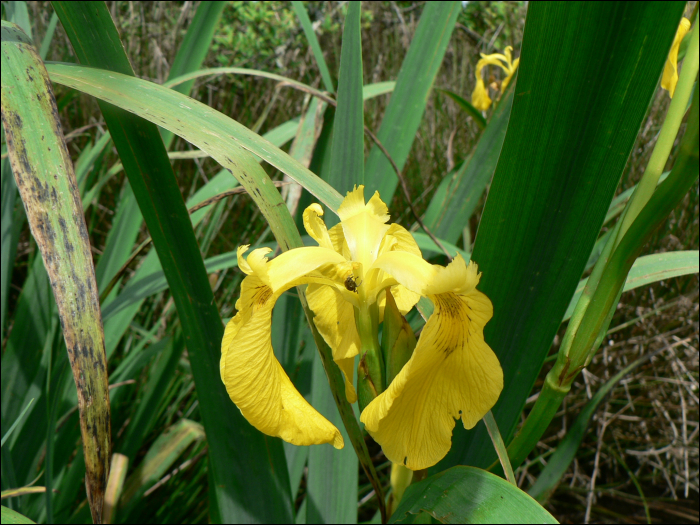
point(305, 22)
point(48, 188)
point(450, 209)
point(468, 495)
point(10, 516)
point(405, 110)
point(194, 49)
point(96, 41)
point(564, 152)
point(649, 269)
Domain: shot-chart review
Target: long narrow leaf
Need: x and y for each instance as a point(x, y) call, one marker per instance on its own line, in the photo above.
point(95, 40)
point(48, 187)
point(407, 104)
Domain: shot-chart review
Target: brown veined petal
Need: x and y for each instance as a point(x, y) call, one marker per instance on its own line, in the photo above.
point(453, 373)
point(335, 319)
point(257, 383)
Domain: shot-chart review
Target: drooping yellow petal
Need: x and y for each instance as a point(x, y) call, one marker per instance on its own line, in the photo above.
point(315, 226)
point(480, 96)
point(335, 319)
point(670, 76)
point(453, 373)
point(255, 380)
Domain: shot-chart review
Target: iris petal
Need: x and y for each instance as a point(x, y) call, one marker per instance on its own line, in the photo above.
point(255, 380)
point(335, 319)
point(453, 373)
point(670, 75)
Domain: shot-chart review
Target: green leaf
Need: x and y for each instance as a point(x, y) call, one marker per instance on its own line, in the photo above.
point(565, 149)
point(10, 517)
point(347, 151)
point(158, 460)
point(450, 209)
point(559, 462)
point(9, 431)
point(194, 49)
point(405, 111)
point(474, 113)
point(469, 495)
point(332, 475)
point(313, 42)
point(96, 41)
point(209, 130)
point(649, 269)
point(48, 188)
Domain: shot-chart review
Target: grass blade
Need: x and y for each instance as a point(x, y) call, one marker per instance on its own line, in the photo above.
point(43, 172)
point(470, 110)
point(649, 269)
point(347, 151)
point(194, 49)
point(407, 104)
point(305, 22)
point(450, 209)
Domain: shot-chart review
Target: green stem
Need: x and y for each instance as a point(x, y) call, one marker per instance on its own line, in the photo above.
point(667, 135)
point(500, 447)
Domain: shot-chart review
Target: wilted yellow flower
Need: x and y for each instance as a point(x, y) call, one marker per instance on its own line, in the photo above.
point(670, 76)
point(480, 96)
point(453, 373)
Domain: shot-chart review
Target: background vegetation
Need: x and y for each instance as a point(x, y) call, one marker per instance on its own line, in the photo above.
point(640, 453)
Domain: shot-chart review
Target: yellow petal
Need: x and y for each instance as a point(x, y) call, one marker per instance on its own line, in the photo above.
point(429, 279)
point(480, 96)
point(511, 72)
point(453, 373)
point(242, 263)
point(315, 226)
point(670, 76)
point(363, 225)
point(402, 241)
point(255, 380)
point(298, 262)
point(335, 319)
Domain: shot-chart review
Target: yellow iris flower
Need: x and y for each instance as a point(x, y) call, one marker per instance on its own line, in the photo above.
point(452, 373)
point(670, 76)
point(480, 96)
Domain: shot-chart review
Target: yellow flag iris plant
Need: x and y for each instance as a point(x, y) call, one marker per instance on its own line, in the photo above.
point(451, 374)
point(480, 95)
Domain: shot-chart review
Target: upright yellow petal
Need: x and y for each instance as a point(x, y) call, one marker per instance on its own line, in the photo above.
point(335, 319)
point(363, 225)
point(670, 76)
point(255, 380)
point(453, 373)
point(315, 226)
